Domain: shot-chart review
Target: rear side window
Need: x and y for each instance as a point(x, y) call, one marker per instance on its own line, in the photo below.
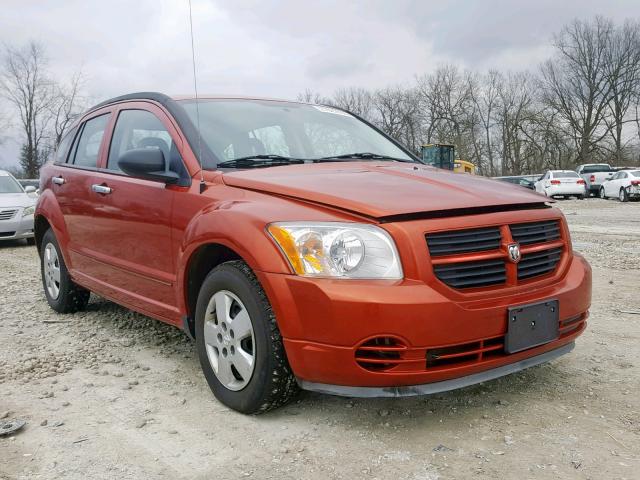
point(87, 146)
point(142, 129)
point(63, 148)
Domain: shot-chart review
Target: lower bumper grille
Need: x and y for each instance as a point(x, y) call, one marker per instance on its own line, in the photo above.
point(7, 234)
point(390, 354)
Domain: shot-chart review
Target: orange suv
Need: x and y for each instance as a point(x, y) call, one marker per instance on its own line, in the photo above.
point(302, 247)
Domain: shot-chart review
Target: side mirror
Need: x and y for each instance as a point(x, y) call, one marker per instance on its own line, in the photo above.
point(30, 189)
point(147, 163)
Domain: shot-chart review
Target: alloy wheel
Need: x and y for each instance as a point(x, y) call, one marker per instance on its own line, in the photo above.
point(229, 340)
point(52, 270)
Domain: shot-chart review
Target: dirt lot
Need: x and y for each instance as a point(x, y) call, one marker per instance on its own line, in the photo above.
point(112, 394)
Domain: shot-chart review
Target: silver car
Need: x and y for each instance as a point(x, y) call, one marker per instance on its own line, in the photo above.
point(17, 205)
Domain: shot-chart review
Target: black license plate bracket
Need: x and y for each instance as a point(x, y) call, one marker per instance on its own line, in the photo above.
point(531, 325)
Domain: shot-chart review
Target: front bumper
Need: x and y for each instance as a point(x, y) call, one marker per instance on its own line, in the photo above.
point(325, 322)
point(17, 228)
point(437, 387)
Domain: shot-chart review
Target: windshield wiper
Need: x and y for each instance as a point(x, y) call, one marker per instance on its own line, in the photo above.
point(257, 161)
point(361, 156)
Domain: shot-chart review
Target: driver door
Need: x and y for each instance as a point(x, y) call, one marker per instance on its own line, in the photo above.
point(133, 217)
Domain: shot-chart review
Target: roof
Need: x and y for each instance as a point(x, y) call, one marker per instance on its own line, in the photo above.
point(4, 173)
point(163, 98)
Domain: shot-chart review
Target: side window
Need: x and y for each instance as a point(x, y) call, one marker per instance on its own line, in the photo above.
point(616, 176)
point(142, 129)
point(63, 147)
point(87, 146)
point(623, 175)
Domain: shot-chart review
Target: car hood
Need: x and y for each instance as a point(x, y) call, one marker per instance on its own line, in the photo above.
point(383, 189)
point(16, 200)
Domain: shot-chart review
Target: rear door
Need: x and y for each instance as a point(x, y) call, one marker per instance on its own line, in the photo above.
point(131, 222)
point(71, 183)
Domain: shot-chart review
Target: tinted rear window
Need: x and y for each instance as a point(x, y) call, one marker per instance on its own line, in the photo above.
point(565, 175)
point(596, 168)
point(635, 173)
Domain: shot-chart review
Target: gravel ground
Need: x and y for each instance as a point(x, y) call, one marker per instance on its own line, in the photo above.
point(108, 393)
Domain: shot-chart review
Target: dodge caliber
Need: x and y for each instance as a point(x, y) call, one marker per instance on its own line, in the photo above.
point(303, 248)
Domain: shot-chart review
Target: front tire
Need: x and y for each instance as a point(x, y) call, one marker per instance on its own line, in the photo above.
point(62, 294)
point(239, 344)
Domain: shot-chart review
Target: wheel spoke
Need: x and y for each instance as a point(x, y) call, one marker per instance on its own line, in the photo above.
point(243, 362)
point(210, 332)
point(223, 303)
point(241, 325)
point(224, 373)
point(56, 274)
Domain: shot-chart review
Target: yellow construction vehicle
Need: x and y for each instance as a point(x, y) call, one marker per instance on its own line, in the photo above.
point(443, 155)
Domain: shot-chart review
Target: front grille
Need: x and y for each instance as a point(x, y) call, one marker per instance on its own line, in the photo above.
point(7, 214)
point(463, 241)
point(479, 257)
point(538, 263)
point(535, 232)
point(472, 274)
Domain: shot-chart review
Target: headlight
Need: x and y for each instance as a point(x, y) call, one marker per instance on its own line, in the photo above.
point(346, 250)
point(29, 211)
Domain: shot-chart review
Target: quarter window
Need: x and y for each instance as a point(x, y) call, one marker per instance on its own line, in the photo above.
point(87, 147)
point(63, 147)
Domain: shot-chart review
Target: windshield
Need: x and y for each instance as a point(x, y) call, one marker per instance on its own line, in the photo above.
point(236, 129)
point(565, 175)
point(596, 168)
point(9, 185)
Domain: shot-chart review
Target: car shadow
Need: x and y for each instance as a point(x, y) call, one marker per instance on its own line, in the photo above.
point(548, 381)
point(14, 244)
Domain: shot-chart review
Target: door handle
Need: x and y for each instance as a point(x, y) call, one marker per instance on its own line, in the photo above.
point(103, 189)
point(58, 180)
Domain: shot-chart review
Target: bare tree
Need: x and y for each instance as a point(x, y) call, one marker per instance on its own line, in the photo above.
point(354, 99)
point(485, 95)
point(576, 82)
point(25, 85)
point(309, 96)
point(66, 105)
point(623, 73)
point(396, 113)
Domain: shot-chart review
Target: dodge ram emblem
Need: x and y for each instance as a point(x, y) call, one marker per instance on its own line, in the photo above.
point(514, 252)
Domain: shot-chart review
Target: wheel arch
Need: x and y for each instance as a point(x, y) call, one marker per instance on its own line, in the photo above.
point(202, 260)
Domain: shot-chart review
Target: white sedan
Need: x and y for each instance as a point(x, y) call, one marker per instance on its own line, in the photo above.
point(624, 185)
point(561, 183)
point(17, 205)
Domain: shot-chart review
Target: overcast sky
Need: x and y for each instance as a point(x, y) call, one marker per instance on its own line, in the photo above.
point(279, 48)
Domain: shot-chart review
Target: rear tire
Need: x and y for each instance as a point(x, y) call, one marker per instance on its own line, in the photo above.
point(603, 195)
point(253, 377)
point(622, 196)
point(62, 294)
